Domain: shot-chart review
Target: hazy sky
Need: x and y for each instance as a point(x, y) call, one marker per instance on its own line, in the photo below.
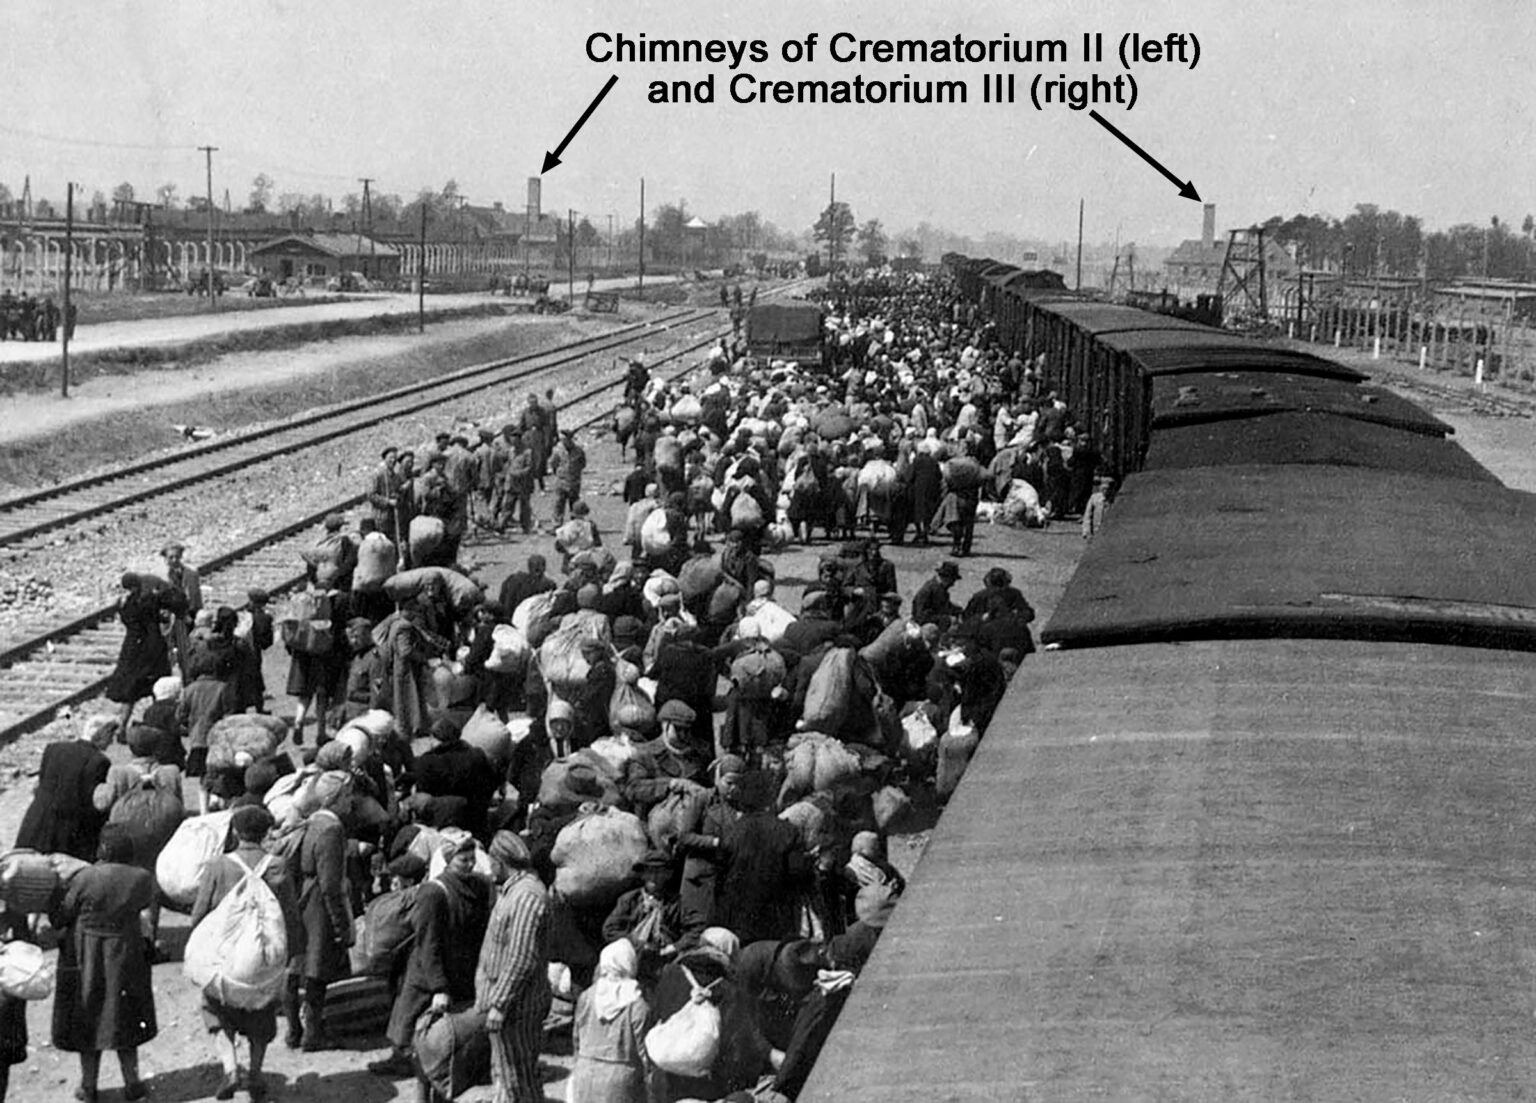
point(1428, 106)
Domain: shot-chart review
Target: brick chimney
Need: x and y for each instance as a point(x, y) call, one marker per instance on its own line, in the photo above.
point(1208, 228)
point(534, 198)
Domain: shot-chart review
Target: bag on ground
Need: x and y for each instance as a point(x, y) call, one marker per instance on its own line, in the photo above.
point(238, 954)
point(196, 845)
point(956, 746)
point(453, 1051)
point(815, 763)
point(687, 1042)
point(255, 734)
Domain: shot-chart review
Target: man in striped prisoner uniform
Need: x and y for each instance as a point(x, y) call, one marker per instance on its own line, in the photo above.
point(512, 978)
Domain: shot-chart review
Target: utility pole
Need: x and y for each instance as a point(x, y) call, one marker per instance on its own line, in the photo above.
point(642, 234)
point(373, 268)
point(570, 252)
point(69, 253)
point(213, 298)
point(421, 276)
point(610, 244)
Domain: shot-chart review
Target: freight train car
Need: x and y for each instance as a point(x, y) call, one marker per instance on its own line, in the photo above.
point(1257, 824)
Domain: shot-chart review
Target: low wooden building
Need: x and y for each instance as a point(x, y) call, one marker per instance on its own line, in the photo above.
point(321, 256)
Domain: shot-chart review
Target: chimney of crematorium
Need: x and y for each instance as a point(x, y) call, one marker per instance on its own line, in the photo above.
point(1208, 227)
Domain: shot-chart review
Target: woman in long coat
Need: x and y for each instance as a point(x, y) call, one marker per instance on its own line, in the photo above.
point(323, 907)
point(925, 486)
point(608, 1034)
point(144, 656)
point(62, 818)
point(104, 996)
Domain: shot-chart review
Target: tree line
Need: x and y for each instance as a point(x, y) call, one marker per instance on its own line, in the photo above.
point(1373, 242)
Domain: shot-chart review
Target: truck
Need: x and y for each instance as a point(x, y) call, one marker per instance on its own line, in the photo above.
point(795, 332)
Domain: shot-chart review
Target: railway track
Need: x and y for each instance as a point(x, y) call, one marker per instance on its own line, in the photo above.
point(27, 516)
point(70, 661)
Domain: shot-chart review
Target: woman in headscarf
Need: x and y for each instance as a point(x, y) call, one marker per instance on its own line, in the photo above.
point(406, 644)
point(608, 1035)
point(144, 655)
point(744, 1052)
point(62, 818)
point(104, 996)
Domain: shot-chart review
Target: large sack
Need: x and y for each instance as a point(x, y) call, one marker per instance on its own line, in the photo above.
point(878, 476)
point(451, 687)
point(815, 763)
point(675, 814)
point(463, 593)
point(615, 751)
point(382, 932)
point(26, 973)
point(453, 1051)
point(890, 804)
point(574, 536)
point(377, 559)
point(668, 453)
point(192, 850)
point(378, 723)
point(833, 424)
point(426, 535)
point(919, 738)
point(532, 609)
point(509, 650)
point(568, 783)
point(891, 637)
point(488, 732)
point(151, 816)
point(724, 601)
point(629, 708)
point(757, 672)
point(303, 621)
point(561, 661)
point(746, 512)
point(655, 537)
point(688, 1041)
point(688, 410)
point(827, 697)
point(595, 854)
point(28, 881)
point(238, 954)
point(771, 617)
point(963, 473)
point(255, 734)
point(699, 576)
point(956, 746)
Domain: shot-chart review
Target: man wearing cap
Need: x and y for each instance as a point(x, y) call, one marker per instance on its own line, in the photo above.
point(649, 916)
point(517, 486)
point(512, 976)
point(519, 586)
point(567, 463)
point(671, 763)
point(454, 768)
point(184, 578)
point(333, 559)
point(933, 605)
point(388, 495)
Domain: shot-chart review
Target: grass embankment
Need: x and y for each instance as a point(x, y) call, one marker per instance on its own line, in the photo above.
point(132, 434)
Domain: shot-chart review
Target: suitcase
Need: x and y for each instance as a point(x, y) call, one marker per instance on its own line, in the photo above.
point(356, 1006)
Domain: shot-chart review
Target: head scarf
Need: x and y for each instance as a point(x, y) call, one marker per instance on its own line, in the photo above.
point(721, 943)
point(167, 688)
point(616, 987)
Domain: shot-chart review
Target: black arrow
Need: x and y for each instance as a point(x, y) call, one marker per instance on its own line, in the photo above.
point(553, 159)
point(1186, 187)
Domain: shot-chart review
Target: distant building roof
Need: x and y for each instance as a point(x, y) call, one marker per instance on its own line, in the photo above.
point(336, 245)
point(696, 223)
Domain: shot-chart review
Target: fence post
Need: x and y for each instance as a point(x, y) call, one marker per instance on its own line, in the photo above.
point(1423, 353)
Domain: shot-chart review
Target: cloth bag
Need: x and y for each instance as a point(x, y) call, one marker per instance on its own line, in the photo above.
point(687, 1042)
point(238, 954)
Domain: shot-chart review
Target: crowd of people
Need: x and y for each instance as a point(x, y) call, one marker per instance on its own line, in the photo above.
point(639, 798)
point(25, 317)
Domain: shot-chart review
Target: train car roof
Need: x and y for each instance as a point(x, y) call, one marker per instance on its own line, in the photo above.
point(1309, 437)
point(1256, 550)
point(1100, 318)
point(1212, 396)
point(1202, 349)
point(1227, 870)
